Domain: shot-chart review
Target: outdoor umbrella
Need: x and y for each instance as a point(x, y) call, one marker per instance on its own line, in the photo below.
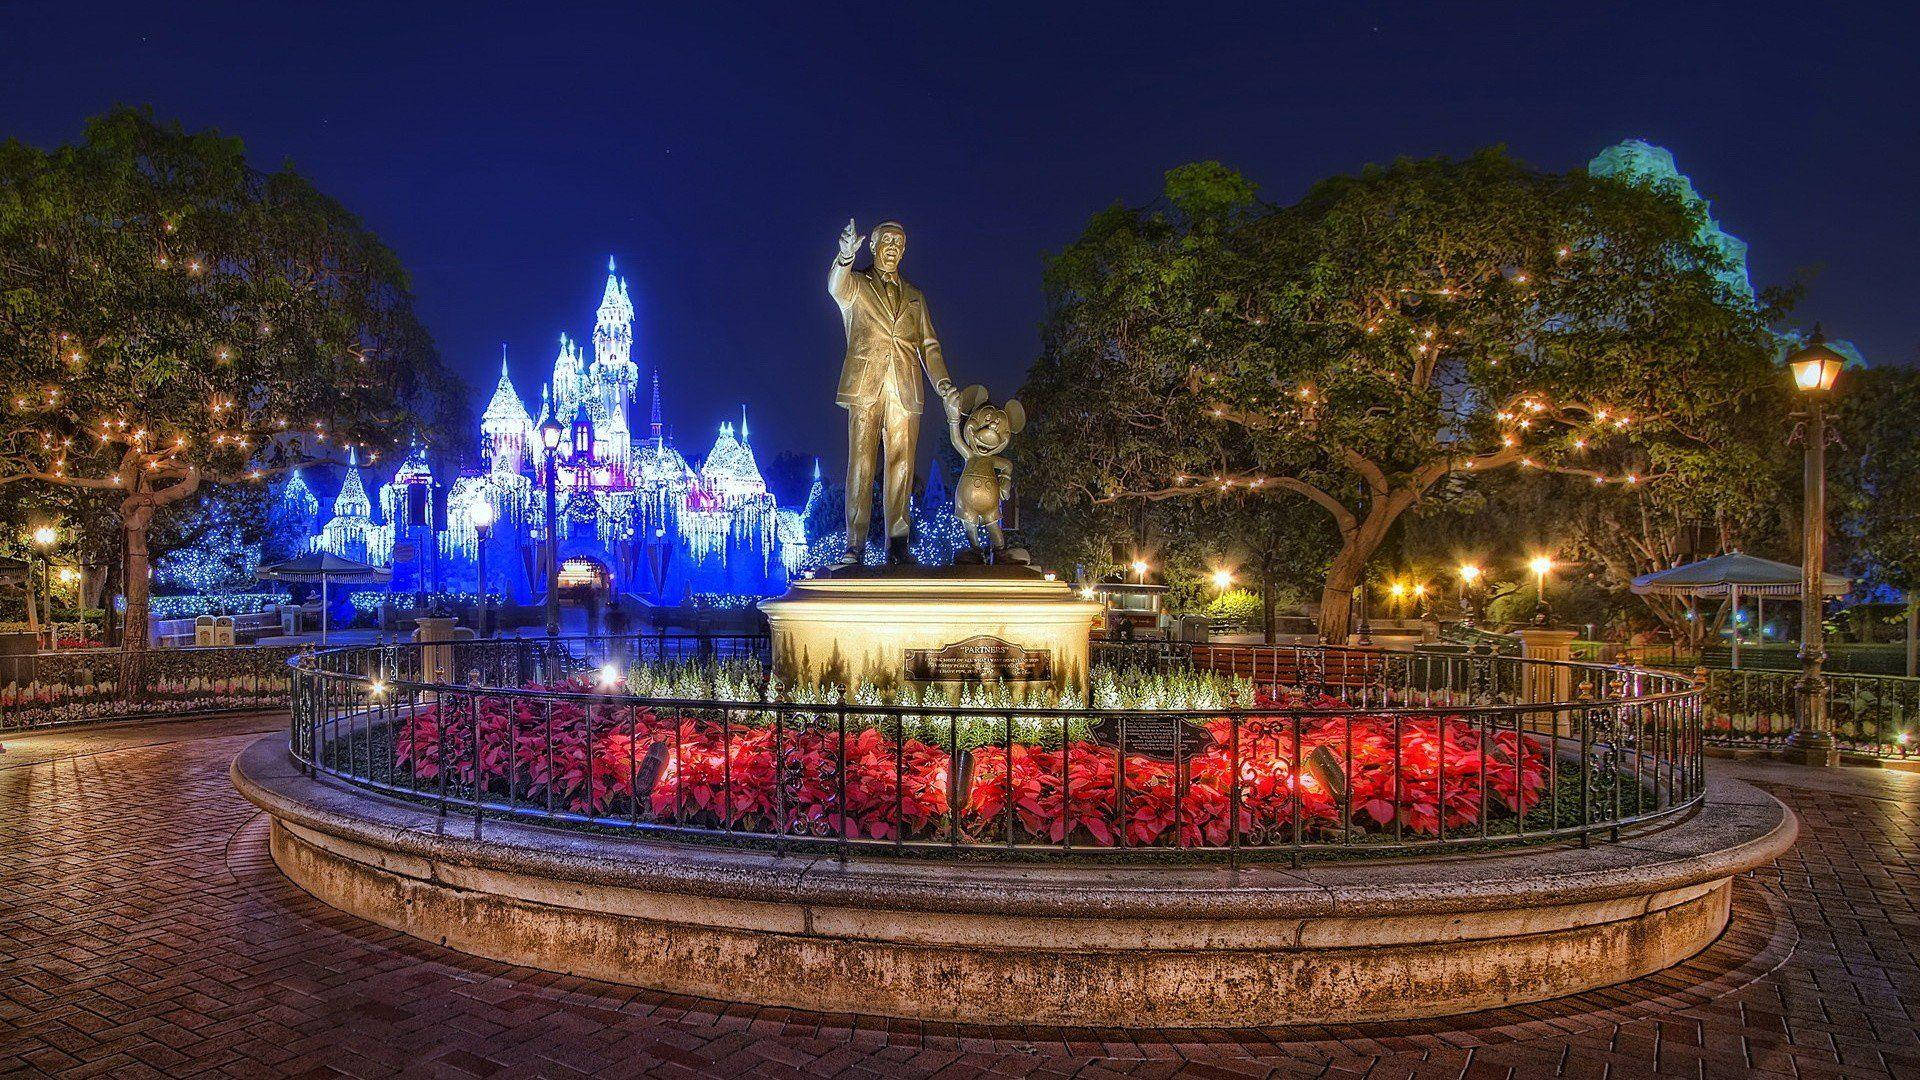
point(1732, 575)
point(323, 567)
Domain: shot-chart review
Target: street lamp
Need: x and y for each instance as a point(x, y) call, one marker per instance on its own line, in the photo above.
point(550, 430)
point(1815, 366)
point(1140, 569)
point(1223, 579)
point(44, 538)
point(482, 515)
point(1540, 565)
point(1469, 574)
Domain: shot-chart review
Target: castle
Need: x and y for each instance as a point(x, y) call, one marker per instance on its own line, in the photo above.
point(632, 514)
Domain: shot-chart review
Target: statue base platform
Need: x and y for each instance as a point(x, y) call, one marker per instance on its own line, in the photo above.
point(950, 626)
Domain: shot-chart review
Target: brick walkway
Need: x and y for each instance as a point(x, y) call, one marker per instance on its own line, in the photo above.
point(145, 932)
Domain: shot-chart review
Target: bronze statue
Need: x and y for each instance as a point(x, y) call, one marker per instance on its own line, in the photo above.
point(982, 433)
point(890, 341)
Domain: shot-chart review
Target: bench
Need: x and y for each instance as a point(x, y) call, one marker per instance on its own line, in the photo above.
point(1333, 667)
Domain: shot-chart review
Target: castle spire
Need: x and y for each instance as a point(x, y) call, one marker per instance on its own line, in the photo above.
point(656, 409)
point(743, 421)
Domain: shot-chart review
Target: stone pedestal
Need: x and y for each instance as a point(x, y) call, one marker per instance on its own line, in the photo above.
point(946, 626)
point(437, 634)
point(1548, 683)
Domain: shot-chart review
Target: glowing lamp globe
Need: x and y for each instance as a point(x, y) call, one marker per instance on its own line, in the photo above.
point(1222, 578)
point(1469, 573)
point(1815, 365)
point(1540, 565)
point(46, 535)
point(550, 432)
point(481, 514)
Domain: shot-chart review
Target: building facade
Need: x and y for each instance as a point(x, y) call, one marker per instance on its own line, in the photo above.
point(633, 515)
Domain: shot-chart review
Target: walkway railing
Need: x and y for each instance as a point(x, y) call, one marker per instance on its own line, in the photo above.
point(1874, 714)
point(689, 738)
point(79, 685)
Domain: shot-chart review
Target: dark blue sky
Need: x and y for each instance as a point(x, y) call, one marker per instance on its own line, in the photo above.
point(716, 149)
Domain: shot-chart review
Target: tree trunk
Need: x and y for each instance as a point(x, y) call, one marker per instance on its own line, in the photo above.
point(1336, 594)
point(1350, 566)
point(135, 631)
point(1266, 606)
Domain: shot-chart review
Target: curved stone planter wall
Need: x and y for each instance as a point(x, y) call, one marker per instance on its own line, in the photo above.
point(984, 943)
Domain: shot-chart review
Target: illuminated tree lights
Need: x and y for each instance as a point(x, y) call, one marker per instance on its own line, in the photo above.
point(1567, 324)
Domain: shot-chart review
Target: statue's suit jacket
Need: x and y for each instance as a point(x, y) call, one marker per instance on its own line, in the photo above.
point(883, 337)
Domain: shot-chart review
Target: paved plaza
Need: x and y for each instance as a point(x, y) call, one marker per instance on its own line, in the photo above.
point(144, 931)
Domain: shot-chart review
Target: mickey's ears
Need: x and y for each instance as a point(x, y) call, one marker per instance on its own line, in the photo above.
point(972, 398)
point(1016, 417)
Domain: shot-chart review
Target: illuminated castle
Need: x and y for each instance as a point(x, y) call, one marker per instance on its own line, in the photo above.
point(632, 513)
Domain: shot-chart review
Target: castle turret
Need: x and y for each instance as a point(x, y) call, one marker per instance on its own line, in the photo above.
point(506, 431)
point(352, 502)
point(569, 376)
point(614, 373)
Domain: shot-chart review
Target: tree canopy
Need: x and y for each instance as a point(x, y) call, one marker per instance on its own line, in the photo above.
point(1382, 341)
point(172, 317)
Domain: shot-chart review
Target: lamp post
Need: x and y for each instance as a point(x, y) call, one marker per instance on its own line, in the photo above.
point(1469, 574)
point(550, 430)
point(1540, 565)
point(1815, 367)
point(44, 538)
point(482, 515)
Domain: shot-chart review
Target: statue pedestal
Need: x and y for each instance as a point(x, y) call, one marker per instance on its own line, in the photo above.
point(945, 626)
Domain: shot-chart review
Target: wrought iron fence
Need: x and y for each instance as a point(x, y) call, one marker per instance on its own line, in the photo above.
point(1877, 714)
point(1318, 750)
point(79, 685)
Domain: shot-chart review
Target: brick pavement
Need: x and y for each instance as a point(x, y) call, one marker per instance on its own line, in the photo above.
point(145, 932)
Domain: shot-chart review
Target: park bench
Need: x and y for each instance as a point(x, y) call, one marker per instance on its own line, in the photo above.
point(1330, 668)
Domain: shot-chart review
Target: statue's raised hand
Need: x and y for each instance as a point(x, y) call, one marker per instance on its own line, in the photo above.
point(849, 241)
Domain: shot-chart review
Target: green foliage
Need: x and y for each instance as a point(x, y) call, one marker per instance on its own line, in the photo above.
point(1876, 491)
point(1383, 342)
point(1235, 605)
point(171, 316)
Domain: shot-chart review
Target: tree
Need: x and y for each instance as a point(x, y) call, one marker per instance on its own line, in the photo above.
point(1391, 331)
point(173, 318)
point(1877, 478)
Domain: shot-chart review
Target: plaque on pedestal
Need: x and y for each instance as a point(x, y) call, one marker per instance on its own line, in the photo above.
point(981, 658)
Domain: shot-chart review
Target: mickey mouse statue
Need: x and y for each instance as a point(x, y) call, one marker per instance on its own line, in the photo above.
point(981, 433)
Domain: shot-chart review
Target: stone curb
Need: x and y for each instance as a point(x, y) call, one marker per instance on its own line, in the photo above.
point(1739, 828)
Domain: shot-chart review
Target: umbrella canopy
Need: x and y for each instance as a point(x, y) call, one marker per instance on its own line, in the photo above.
point(1736, 574)
point(323, 565)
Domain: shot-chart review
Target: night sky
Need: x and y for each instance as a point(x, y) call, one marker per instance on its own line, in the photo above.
point(716, 150)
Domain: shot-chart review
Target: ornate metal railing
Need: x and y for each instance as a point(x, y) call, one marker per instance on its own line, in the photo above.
point(1182, 749)
point(82, 685)
point(1875, 714)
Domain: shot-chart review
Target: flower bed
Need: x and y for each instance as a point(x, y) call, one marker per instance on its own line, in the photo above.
point(893, 777)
